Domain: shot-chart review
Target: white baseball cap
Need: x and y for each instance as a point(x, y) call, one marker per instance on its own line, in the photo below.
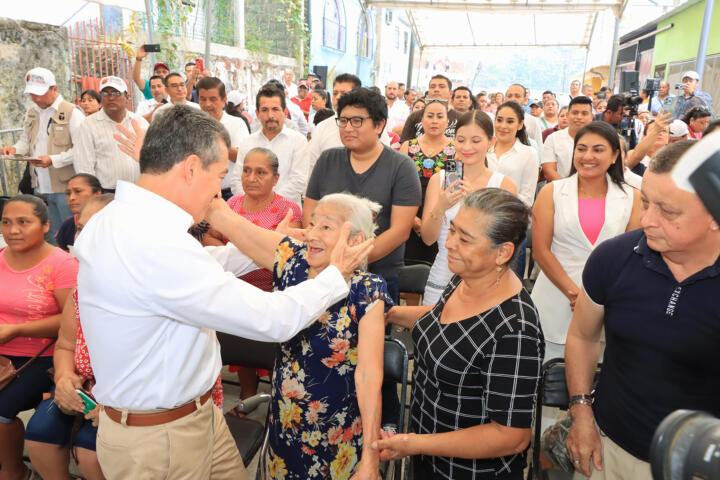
point(38, 81)
point(113, 82)
point(691, 74)
point(678, 128)
point(235, 97)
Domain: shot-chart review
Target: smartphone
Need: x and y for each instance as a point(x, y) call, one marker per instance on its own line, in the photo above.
point(151, 47)
point(87, 399)
point(453, 172)
point(678, 86)
point(199, 64)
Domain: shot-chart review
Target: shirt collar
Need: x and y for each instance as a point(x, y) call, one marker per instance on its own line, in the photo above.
point(282, 132)
point(163, 209)
point(654, 261)
point(102, 116)
point(513, 148)
point(54, 107)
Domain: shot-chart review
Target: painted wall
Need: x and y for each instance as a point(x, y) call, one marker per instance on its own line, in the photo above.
point(395, 40)
point(681, 42)
point(338, 61)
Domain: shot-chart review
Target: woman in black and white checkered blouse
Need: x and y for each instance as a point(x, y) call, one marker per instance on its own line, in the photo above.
point(478, 353)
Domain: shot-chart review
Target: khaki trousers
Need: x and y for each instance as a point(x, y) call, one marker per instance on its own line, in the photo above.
point(196, 447)
point(617, 464)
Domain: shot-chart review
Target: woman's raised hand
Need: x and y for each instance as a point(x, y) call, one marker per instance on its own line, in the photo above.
point(348, 258)
point(285, 228)
point(448, 197)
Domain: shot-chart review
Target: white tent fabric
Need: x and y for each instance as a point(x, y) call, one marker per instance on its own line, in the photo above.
point(474, 23)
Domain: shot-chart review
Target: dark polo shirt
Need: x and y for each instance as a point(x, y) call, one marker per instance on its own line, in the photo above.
point(663, 340)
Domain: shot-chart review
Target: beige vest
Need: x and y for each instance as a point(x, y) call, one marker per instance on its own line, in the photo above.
point(59, 141)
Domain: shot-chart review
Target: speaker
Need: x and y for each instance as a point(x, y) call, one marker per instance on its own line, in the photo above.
point(630, 80)
point(321, 71)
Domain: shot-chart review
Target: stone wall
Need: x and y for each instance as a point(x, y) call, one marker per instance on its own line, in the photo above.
point(25, 45)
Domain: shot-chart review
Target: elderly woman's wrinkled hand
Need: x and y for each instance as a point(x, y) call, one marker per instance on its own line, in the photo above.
point(130, 142)
point(348, 258)
point(218, 214)
point(392, 446)
point(285, 228)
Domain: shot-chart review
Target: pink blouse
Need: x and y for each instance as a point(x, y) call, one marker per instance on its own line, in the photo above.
point(592, 217)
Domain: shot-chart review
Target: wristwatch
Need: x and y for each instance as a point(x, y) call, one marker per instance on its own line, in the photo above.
point(582, 399)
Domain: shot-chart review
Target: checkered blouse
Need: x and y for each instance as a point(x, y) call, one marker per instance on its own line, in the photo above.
point(471, 372)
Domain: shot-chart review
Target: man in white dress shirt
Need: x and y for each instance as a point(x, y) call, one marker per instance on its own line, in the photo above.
point(177, 91)
point(518, 94)
point(287, 83)
point(397, 110)
point(212, 99)
point(558, 149)
point(97, 152)
point(287, 144)
point(159, 94)
point(152, 297)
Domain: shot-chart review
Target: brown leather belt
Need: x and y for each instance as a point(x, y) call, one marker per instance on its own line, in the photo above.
point(158, 418)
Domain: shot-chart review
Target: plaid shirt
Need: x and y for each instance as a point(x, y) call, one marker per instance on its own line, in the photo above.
point(474, 371)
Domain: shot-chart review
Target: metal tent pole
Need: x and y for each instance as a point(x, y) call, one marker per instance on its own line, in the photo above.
point(704, 33)
point(207, 31)
point(614, 54)
point(149, 26)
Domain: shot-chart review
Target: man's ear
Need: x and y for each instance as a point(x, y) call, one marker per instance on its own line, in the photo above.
point(191, 167)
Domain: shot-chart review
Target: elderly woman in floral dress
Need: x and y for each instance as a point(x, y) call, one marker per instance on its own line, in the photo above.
point(326, 405)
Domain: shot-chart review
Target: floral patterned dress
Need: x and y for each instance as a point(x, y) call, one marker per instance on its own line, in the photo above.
point(314, 418)
point(415, 249)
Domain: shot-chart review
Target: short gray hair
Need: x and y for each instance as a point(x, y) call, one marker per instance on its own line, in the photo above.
point(269, 155)
point(359, 211)
point(178, 133)
point(509, 216)
point(668, 156)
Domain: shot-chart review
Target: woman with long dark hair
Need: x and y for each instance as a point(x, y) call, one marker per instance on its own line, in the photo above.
point(571, 217)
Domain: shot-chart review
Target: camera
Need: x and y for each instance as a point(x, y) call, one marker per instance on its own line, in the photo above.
point(678, 86)
point(686, 446)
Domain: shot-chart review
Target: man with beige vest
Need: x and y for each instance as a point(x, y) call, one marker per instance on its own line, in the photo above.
point(50, 128)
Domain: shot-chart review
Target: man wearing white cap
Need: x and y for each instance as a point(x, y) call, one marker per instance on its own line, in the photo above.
point(97, 152)
point(51, 128)
point(678, 131)
point(692, 97)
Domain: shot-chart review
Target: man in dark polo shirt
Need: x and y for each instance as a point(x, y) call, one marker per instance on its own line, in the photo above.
point(655, 292)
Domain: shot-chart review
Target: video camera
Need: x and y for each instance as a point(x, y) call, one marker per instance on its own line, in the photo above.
point(686, 446)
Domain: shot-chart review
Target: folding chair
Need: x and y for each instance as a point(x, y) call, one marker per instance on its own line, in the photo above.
point(395, 369)
point(248, 433)
point(412, 280)
point(552, 392)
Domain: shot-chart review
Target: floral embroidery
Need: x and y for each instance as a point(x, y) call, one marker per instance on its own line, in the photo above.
point(314, 419)
point(427, 166)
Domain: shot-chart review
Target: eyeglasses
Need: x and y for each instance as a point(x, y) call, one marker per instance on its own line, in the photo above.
point(114, 94)
point(175, 85)
point(356, 122)
point(428, 101)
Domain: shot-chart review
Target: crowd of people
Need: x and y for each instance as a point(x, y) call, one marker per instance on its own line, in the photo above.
point(144, 232)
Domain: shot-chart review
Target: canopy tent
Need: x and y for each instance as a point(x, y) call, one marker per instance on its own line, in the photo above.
point(499, 23)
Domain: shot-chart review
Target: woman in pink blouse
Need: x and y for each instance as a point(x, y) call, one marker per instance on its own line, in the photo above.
point(36, 279)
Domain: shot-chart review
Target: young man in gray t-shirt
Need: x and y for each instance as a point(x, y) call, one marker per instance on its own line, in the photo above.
point(367, 168)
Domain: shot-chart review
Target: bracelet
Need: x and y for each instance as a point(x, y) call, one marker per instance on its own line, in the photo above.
point(582, 399)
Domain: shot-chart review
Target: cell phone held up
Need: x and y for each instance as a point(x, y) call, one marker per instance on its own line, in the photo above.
point(151, 47)
point(453, 173)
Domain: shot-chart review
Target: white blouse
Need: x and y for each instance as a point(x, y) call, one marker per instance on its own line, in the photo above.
point(520, 164)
